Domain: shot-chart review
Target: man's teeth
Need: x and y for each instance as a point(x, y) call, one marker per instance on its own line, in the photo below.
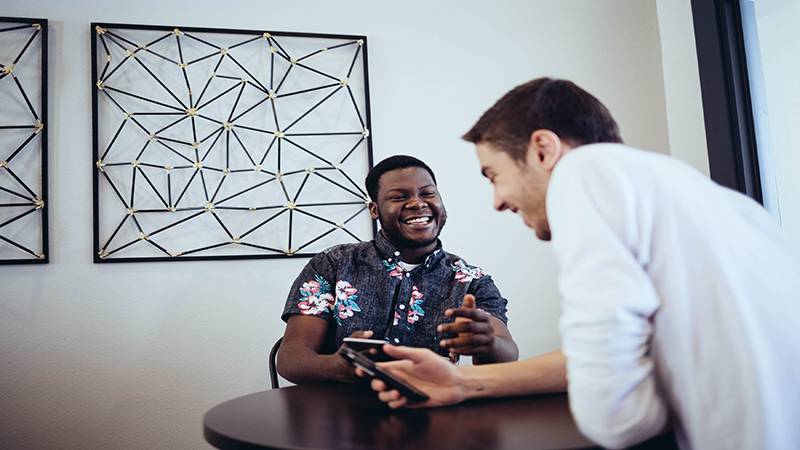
point(419, 220)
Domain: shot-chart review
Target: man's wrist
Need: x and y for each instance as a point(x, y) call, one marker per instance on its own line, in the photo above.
point(332, 367)
point(469, 384)
point(490, 355)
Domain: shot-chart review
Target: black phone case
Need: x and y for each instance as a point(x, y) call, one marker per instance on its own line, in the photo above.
point(367, 365)
point(363, 349)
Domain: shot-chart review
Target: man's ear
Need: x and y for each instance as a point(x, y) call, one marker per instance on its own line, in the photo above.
point(545, 148)
point(373, 209)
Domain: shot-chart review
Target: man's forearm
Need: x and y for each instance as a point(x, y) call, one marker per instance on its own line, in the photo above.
point(544, 374)
point(300, 364)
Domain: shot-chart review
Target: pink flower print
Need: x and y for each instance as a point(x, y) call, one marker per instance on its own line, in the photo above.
point(415, 306)
point(313, 305)
point(396, 318)
point(465, 274)
point(394, 270)
point(311, 287)
point(345, 311)
point(345, 304)
point(413, 316)
point(344, 290)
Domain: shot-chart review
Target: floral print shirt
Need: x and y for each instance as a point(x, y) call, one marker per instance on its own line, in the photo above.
point(362, 287)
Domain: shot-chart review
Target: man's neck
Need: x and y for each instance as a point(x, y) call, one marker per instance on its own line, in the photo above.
point(413, 255)
point(417, 255)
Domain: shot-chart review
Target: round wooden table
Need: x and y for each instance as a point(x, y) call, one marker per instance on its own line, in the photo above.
point(337, 416)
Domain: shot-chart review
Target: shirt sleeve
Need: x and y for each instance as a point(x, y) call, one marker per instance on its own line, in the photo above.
point(608, 301)
point(487, 297)
point(312, 293)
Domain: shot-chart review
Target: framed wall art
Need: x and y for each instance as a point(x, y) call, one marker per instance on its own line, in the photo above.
point(23, 141)
point(227, 144)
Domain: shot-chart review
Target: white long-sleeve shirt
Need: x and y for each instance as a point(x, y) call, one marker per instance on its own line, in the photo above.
point(681, 299)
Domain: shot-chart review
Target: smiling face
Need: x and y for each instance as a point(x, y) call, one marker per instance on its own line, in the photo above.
point(410, 211)
point(520, 187)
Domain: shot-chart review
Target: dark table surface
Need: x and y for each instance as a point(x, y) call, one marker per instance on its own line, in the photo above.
point(336, 416)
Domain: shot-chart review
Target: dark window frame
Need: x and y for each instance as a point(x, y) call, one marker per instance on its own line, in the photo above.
point(725, 87)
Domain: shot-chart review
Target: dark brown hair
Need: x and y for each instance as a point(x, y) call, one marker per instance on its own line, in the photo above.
point(576, 116)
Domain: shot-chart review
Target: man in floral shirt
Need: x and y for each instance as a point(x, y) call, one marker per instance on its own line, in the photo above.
point(401, 287)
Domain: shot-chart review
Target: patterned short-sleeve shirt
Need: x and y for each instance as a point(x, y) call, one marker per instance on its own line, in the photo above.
point(361, 287)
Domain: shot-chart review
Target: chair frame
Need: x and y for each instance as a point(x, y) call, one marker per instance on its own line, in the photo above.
point(273, 371)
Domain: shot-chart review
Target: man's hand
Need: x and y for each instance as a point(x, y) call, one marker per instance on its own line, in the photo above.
point(423, 369)
point(339, 369)
point(484, 337)
point(476, 335)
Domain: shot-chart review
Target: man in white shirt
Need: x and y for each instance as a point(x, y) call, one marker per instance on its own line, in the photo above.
point(681, 298)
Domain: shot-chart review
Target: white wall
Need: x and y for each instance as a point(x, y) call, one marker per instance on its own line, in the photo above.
point(130, 356)
point(687, 131)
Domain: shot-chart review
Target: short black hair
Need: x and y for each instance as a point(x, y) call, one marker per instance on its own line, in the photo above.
point(392, 163)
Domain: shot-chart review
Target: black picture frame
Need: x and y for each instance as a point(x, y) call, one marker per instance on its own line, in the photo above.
point(33, 193)
point(108, 38)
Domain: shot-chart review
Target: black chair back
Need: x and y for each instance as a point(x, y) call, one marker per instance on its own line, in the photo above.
point(273, 371)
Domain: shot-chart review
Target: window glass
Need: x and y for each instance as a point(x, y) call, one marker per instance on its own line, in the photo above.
point(772, 35)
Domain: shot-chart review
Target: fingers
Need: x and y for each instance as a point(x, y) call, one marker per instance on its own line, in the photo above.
point(476, 340)
point(377, 385)
point(473, 327)
point(475, 336)
point(473, 348)
point(481, 351)
point(401, 402)
point(466, 313)
point(467, 305)
point(469, 302)
point(390, 396)
point(400, 352)
point(361, 334)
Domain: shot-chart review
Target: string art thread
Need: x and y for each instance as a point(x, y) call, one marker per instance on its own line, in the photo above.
point(218, 144)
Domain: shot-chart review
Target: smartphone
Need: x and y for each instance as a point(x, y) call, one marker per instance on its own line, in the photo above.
point(367, 365)
point(371, 348)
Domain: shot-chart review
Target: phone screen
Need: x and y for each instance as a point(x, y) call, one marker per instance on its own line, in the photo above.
point(368, 366)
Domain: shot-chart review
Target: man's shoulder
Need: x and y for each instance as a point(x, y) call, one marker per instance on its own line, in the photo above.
point(617, 165)
point(462, 268)
point(600, 153)
point(601, 156)
point(450, 258)
point(347, 250)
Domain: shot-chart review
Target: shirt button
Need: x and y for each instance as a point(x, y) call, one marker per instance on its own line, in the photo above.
point(396, 253)
point(396, 341)
point(408, 274)
point(402, 306)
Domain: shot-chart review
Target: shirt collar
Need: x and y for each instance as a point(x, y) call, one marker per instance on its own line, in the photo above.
point(388, 251)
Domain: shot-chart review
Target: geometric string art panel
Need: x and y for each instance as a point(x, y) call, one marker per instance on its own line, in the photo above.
point(23, 141)
point(227, 144)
